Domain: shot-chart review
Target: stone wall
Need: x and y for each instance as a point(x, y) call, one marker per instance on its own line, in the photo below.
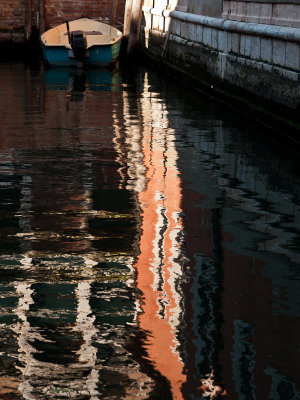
point(283, 13)
point(261, 59)
point(211, 8)
point(18, 18)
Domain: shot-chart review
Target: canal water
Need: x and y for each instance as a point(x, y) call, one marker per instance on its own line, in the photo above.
point(149, 242)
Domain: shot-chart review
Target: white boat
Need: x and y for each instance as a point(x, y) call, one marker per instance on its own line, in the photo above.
point(81, 42)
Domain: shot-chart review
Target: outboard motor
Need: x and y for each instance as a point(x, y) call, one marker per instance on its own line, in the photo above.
point(78, 44)
point(77, 40)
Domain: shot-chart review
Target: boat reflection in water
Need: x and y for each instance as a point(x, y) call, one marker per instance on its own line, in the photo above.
point(80, 80)
point(146, 251)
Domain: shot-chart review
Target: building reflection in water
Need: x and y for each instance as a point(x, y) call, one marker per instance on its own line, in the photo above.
point(145, 247)
point(216, 298)
point(69, 236)
point(170, 307)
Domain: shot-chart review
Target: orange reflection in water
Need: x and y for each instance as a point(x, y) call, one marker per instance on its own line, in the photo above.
point(161, 262)
point(158, 270)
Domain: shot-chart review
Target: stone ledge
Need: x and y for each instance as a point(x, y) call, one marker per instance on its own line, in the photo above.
point(262, 30)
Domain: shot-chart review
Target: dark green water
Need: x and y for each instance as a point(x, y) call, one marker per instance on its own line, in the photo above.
point(149, 243)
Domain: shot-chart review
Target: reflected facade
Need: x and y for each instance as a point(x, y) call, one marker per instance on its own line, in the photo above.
point(148, 243)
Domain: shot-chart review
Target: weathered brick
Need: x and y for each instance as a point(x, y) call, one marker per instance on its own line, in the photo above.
point(13, 12)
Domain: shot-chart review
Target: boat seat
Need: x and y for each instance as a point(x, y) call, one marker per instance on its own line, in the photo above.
point(99, 39)
point(91, 38)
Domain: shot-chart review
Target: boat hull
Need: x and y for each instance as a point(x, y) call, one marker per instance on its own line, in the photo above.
point(99, 56)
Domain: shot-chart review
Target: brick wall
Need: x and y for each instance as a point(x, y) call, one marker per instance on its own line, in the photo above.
point(12, 14)
point(19, 17)
point(12, 20)
point(58, 11)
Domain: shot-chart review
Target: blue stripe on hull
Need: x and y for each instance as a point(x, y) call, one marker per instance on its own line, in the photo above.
point(97, 55)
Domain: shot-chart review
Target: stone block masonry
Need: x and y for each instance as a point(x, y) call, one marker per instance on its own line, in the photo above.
point(261, 59)
point(283, 13)
point(19, 17)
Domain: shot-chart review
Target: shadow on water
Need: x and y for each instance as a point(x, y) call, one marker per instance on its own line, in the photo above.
point(149, 242)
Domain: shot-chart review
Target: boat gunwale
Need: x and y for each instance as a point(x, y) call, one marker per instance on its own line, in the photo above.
point(68, 46)
point(89, 47)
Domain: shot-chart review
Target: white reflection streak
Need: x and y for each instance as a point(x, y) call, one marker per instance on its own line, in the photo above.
point(25, 206)
point(131, 149)
point(158, 249)
point(136, 169)
point(117, 140)
point(85, 324)
point(24, 333)
point(175, 272)
point(26, 261)
point(210, 390)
